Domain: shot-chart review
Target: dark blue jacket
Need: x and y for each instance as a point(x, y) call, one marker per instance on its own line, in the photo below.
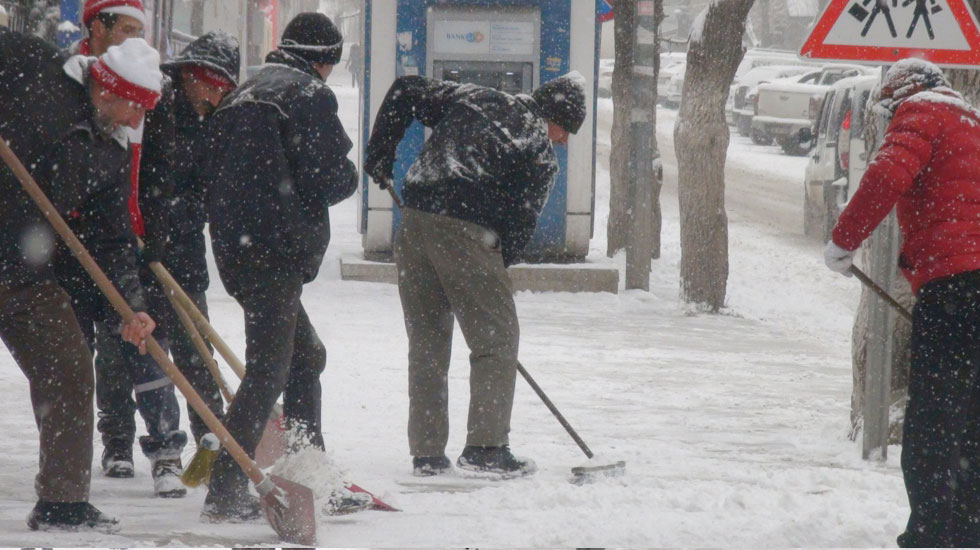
point(278, 160)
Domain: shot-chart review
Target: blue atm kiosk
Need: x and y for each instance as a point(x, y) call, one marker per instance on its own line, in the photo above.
point(511, 45)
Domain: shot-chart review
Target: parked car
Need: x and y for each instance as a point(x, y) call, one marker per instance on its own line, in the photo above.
point(670, 64)
point(743, 105)
point(782, 108)
point(838, 160)
point(753, 58)
point(675, 87)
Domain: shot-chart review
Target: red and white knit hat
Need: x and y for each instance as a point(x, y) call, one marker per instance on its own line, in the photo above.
point(132, 8)
point(131, 71)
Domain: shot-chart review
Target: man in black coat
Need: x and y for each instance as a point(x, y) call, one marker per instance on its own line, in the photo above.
point(202, 74)
point(278, 162)
point(65, 126)
point(472, 200)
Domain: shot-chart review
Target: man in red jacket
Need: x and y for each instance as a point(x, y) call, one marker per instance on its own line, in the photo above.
point(928, 169)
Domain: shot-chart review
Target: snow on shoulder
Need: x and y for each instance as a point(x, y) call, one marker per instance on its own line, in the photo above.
point(947, 96)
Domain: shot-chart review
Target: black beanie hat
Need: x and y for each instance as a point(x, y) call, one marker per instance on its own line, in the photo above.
point(313, 37)
point(562, 101)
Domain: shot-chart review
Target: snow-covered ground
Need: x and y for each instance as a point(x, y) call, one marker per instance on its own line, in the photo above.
point(733, 426)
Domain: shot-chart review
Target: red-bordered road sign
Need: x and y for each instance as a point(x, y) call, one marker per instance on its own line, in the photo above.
point(944, 32)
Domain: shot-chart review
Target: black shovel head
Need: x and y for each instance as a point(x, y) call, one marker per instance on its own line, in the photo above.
point(590, 472)
point(290, 509)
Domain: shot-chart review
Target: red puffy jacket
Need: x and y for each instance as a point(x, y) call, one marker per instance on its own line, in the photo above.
point(929, 168)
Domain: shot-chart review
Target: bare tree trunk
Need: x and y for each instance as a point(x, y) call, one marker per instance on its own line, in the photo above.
point(656, 217)
point(617, 227)
point(701, 142)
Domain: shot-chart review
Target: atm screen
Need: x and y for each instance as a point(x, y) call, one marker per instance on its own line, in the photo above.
point(512, 78)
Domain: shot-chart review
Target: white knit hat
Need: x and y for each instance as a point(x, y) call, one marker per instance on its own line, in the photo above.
point(132, 8)
point(131, 71)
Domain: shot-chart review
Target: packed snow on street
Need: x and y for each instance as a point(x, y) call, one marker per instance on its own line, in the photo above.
point(733, 426)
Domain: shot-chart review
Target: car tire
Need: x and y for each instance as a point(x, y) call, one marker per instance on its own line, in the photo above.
point(761, 138)
point(744, 125)
point(831, 210)
point(792, 146)
point(811, 216)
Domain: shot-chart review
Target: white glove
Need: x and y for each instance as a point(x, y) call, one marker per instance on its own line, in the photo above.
point(838, 259)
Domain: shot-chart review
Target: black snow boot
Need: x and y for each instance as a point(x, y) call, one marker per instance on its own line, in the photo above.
point(425, 466)
point(239, 509)
point(495, 460)
point(117, 460)
point(70, 516)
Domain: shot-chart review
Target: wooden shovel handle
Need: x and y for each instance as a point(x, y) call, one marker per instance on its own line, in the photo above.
point(121, 307)
point(199, 343)
point(184, 302)
point(882, 293)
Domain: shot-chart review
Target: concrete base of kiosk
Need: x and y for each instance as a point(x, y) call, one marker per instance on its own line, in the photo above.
point(534, 277)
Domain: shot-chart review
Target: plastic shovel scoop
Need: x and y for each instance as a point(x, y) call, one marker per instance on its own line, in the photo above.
point(290, 509)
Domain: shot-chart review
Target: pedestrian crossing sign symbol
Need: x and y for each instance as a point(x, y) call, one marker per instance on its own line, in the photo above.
point(944, 32)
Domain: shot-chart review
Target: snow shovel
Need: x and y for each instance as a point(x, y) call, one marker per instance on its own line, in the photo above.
point(899, 308)
point(273, 442)
point(288, 506)
point(581, 474)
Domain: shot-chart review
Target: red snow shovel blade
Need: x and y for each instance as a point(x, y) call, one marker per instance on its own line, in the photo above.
point(376, 503)
point(272, 445)
point(289, 507)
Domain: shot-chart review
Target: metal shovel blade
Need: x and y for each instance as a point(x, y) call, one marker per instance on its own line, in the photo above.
point(272, 445)
point(589, 473)
point(290, 509)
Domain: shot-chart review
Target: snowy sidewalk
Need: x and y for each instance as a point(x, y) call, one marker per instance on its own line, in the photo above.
point(733, 426)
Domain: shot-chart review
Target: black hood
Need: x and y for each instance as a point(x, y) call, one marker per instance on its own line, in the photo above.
point(216, 50)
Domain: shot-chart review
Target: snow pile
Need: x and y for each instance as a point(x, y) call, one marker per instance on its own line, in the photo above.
point(317, 470)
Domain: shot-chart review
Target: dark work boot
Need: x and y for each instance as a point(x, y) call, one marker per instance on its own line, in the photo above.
point(495, 460)
point(225, 509)
point(166, 478)
point(117, 460)
point(426, 466)
point(70, 516)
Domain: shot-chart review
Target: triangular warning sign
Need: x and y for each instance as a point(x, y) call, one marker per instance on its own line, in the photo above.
point(944, 32)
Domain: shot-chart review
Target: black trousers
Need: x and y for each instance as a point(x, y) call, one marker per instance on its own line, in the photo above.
point(941, 440)
point(283, 355)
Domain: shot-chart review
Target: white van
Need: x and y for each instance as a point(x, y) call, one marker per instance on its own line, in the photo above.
point(838, 159)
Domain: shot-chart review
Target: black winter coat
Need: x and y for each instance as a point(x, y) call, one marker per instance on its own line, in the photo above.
point(47, 118)
point(488, 161)
point(186, 253)
point(279, 159)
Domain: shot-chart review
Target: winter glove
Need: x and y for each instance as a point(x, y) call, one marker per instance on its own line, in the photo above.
point(381, 168)
point(838, 259)
point(153, 249)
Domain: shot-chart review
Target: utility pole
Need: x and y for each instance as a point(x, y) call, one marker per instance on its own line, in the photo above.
point(640, 241)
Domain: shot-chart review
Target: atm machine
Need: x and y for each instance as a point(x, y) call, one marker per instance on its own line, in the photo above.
point(511, 45)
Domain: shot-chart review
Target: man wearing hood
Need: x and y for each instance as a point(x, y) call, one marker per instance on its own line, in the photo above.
point(63, 118)
point(472, 200)
point(203, 74)
point(927, 169)
point(280, 161)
